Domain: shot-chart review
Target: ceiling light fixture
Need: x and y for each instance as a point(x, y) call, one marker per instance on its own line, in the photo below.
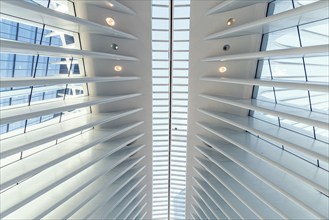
point(110, 4)
point(114, 46)
point(118, 68)
point(110, 21)
point(226, 47)
point(222, 69)
point(230, 21)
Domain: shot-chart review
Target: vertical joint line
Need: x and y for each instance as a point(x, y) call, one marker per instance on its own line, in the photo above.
point(35, 72)
point(271, 72)
point(69, 74)
point(305, 72)
point(170, 97)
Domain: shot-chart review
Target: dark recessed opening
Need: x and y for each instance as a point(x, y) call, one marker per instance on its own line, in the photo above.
point(226, 47)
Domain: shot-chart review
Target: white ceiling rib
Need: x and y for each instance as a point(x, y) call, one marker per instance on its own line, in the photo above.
point(56, 131)
point(283, 160)
point(41, 81)
point(256, 148)
point(314, 118)
point(287, 19)
point(32, 49)
point(290, 139)
point(229, 5)
point(12, 115)
point(312, 86)
point(299, 52)
point(36, 13)
point(90, 158)
point(112, 5)
point(265, 173)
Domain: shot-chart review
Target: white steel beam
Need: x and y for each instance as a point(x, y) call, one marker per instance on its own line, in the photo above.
point(288, 163)
point(10, 115)
point(42, 15)
point(80, 145)
point(291, 18)
point(16, 47)
point(311, 200)
point(287, 138)
point(298, 85)
point(299, 115)
point(298, 52)
point(42, 81)
point(38, 137)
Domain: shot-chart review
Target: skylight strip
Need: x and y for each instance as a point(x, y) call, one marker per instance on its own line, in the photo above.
point(174, 87)
point(160, 20)
point(179, 111)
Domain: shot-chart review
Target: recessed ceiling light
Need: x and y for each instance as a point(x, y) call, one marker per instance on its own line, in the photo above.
point(110, 4)
point(222, 69)
point(118, 68)
point(110, 21)
point(114, 46)
point(226, 47)
point(230, 21)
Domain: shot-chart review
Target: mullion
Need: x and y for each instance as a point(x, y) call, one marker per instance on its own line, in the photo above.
point(171, 25)
point(34, 74)
point(306, 77)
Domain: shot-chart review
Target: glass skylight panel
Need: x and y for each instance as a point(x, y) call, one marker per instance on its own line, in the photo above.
point(165, 89)
point(57, 5)
point(159, 12)
point(317, 69)
point(180, 59)
point(280, 6)
point(305, 69)
point(160, 81)
point(315, 33)
point(298, 3)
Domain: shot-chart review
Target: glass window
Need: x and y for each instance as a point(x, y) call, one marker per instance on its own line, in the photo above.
point(19, 65)
point(160, 12)
point(305, 69)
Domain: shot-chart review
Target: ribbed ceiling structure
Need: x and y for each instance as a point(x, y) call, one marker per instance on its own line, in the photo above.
point(94, 104)
point(75, 140)
point(258, 110)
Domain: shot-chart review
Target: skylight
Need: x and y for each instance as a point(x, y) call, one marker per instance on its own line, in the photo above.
point(170, 51)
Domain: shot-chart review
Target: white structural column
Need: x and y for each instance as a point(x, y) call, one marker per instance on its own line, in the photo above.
point(74, 110)
point(258, 110)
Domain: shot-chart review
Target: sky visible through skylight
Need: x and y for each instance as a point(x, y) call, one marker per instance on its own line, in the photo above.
point(170, 107)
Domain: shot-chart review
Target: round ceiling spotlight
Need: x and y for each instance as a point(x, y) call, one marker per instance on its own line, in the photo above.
point(114, 46)
point(230, 21)
point(118, 68)
point(110, 4)
point(226, 47)
point(222, 69)
point(110, 21)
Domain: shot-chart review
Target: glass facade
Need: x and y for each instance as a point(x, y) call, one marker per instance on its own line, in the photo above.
point(37, 66)
point(306, 69)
